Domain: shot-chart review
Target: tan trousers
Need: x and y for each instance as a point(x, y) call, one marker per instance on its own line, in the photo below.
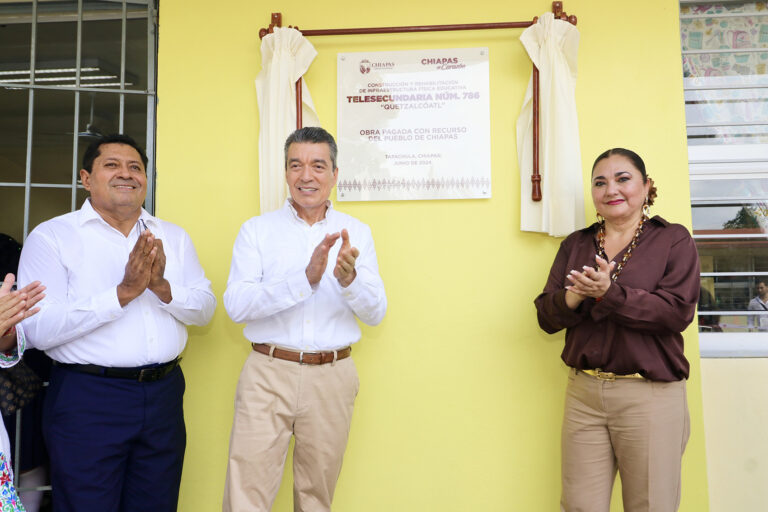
point(274, 400)
point(637, 427)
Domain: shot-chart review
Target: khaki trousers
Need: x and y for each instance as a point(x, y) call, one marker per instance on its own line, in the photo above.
point(274, 400)
point(638, 427)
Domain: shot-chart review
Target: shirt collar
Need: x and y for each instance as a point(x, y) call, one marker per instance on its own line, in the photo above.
point(88, 214)
point(656, 219)
point(295, 215)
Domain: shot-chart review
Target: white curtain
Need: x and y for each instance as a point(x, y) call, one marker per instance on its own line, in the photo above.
point(553, 47)
point(285, 57)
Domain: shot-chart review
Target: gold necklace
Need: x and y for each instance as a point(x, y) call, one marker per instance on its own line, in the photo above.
point(628, 254)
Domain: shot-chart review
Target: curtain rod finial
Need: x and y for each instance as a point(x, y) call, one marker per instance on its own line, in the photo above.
point(275, 21)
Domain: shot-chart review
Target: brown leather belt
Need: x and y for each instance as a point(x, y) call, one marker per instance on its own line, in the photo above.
point(300, 357)
point(610, 376)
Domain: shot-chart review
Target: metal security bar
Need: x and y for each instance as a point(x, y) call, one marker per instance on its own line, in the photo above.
point(33, 86)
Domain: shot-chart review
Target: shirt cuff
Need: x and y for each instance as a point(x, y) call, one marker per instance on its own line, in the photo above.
point(106, 305)
point(13, 356)
point(562, 307)
point(179, 297)
point(355, 288)
point(611, 300)
point(299, 286)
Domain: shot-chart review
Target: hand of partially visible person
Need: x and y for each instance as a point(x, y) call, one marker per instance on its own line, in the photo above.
point(345, 272)
point(158, 284)
point(15, 306)
point(590, 282)
point(319, 260)
point(138, 270)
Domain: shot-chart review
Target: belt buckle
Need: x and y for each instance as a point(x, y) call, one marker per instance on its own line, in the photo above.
point(142, 374)
point(301, 357)
point(606, 376)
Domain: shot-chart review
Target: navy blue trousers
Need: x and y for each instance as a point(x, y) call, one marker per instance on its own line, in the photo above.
point(116, 445)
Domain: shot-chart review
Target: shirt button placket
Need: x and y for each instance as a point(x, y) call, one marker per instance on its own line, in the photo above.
point(315, 235)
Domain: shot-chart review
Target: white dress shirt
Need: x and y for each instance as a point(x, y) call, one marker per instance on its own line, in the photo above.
point(269, 290)
point(758, 321)
point(81, 259)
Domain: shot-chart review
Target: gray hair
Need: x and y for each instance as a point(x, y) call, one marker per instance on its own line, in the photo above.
point(314, 135)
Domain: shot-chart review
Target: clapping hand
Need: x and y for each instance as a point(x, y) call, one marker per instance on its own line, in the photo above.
point(345, 271)
point(17, 305)
point(138, 270)
point(590, 282)
point(319, 260)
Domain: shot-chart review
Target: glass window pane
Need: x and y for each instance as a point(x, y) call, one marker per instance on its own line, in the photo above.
point(710, 135)
point(730, 218)
point(136, 49)
point(733, 189)
point(52, 127)
point(726, 106)
point(725, 64)
point(80, 197)
point(102, 44)
point(704, 8)
point(703, 28)
point(733, 304)
point(732, 322)
point(136, 118)
point(56, 46)
point(12, 212)
point(733, 254)
point(15, 40)
point(46, 203)
point(13, 134)
point(727, 293)
point(101, 50)
point(99, 114)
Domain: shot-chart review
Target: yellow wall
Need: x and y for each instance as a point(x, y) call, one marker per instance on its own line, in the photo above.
point(461, 393)
point(735, 413)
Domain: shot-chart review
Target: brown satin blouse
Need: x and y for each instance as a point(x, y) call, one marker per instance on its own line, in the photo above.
point(637, 325)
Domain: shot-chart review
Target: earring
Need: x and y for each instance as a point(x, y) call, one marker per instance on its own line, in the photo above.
point(600, 219)
point(646, 209)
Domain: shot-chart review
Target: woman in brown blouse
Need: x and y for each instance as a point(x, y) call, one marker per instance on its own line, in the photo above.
point(623, 289)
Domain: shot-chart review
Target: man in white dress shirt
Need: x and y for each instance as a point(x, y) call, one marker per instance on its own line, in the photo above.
point(299, 285)
point(122, 286)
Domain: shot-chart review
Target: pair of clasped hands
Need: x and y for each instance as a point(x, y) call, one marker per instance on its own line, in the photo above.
point(589, 282)
point(344, 272)
point(144, 271)
point(15, 306)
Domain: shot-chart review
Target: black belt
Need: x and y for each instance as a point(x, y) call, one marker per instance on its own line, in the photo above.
point(141, 374)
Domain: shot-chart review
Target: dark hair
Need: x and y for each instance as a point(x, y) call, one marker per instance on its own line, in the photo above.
point(637, 163)
point(92, 152)
point(10, 251)
point(314, 135)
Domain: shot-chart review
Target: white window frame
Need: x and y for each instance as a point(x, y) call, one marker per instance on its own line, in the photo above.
point(727, 162)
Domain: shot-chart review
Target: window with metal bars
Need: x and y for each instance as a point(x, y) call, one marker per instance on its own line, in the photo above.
point(69, 71)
